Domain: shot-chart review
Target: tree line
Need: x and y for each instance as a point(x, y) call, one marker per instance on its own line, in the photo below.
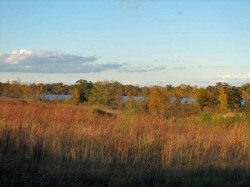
point(157, 99)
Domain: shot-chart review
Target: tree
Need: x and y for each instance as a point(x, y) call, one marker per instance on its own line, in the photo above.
point(222, 84)
point(120, 91)
point(76, 96)
point(155, 100)
point(84, 88)
point(178, 92)
point(234, 96)
point(208, 97)
point(223, 99)
point(213, 96)
point(131, 90)
point(57, 88)
point(230, 96)
point(202, 97)
point(245, 91)
point(104, 92)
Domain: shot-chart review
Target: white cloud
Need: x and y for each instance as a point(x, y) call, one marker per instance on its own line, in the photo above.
point(28, 61)
point(16, 56)
point(50, 62)
point(234, 78)
point(22, 52)
point(139, 69)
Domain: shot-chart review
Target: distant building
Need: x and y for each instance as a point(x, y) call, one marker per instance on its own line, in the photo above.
point(50, 97)
point(135, 98)
point(187, 100)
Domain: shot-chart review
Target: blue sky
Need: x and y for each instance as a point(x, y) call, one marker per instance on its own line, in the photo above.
point(141, 42)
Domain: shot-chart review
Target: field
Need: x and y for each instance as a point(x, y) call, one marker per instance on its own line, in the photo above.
point(67, 145)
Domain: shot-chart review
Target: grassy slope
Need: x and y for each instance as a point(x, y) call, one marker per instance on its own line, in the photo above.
point(42, 144)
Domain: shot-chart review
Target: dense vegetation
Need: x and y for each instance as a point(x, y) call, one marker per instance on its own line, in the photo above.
point(67, 145)
point(222, 96)
point(97, 139)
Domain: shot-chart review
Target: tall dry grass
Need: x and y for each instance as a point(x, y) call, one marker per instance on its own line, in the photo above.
point(47, 143)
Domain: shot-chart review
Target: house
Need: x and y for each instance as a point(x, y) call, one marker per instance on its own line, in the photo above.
point(50, 97)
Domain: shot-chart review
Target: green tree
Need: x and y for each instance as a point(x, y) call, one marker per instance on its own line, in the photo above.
point(208, 97)
point(245, 89)
point(104, 92)
point(234, 96)
point(84, 88)
point(213, 96)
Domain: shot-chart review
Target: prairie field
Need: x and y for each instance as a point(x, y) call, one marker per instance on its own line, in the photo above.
point(67, 145)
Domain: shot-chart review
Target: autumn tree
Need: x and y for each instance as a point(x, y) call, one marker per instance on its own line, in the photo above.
point(131, 90)
point(48, 88)
point(187, 90)
point(208, 97)
point(58, 88)
point(212, 96)
point(202, 97)
point(178, 92)
point(229, 97)
point(76, 96)
point(120, 91)
point(144, 93)
point(223, 99)
point(155, 100)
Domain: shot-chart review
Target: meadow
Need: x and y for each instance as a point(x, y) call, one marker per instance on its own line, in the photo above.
point(67, 145)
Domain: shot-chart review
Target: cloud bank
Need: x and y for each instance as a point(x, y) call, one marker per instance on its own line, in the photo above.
point(139, 69)
point(50, 62)
point(28, 61)
point(234, 77)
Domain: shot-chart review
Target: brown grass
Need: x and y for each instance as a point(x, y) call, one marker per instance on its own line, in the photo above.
point(56, 142)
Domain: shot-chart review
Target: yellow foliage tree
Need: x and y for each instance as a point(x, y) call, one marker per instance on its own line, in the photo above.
point(223, 99)
point(76, 96)
point(201, 95)
point(155, 100)
point(178, 92)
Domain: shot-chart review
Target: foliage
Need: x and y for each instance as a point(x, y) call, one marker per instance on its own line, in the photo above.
point(84, 88)
point(223, 99)
point(76, 96)
point(201, 95)
point(245, 89)
point(208, 97)
point(105, 93)
point(234, 97)
point(155, 100)
point(67, 145)
point(109, 93)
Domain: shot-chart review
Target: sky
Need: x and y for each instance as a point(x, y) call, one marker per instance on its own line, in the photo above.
point(140, 42)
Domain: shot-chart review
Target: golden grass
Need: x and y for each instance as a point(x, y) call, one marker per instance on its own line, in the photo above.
point(71, 136)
